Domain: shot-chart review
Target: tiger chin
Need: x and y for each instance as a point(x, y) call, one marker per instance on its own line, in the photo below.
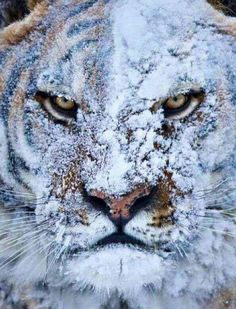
point(117, 145)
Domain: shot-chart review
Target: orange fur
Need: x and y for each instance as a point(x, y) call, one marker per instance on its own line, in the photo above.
point(230, 28)
point(225, 300)
point(32, 3)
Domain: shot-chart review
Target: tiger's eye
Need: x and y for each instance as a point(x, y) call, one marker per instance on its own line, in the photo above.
point(176, 102)
point(64, 103)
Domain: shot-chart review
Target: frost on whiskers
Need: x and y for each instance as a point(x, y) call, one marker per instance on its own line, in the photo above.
point(149, 50)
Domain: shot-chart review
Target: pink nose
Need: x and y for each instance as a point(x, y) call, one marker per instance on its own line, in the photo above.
point(120, 206)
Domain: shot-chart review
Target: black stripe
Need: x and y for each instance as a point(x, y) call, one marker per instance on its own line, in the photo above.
point(82, 7)
point(83, 25)
point(26, 61)
point(9, 90)
point(81, 45)
point(14, 161)
point(11, 84)
point(3, 56)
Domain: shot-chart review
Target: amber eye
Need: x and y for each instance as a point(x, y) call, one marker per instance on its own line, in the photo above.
point(176, 102)
point(59, 107)
point(182, 105)
point(65, 104)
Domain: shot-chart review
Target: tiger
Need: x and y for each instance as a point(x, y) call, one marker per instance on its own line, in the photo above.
point(117, 145)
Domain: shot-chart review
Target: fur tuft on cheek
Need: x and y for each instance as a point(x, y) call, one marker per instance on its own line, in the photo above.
point(230, 28)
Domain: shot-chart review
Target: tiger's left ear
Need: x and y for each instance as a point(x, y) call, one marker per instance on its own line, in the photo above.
point(228, 7)
point(27, 15)
point(11, 11)
point(15, 10)
point(225, 15)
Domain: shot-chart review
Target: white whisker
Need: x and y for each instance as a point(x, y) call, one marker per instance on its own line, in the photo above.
point(16, 238)
point(23, 229)
point(20, 220)
point(20, 211)
point(18, 254)
point(18, 243)
point(218, 231)
point(56, 250)
point(41, 250)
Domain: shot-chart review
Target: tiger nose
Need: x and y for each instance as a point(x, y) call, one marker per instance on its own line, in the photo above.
point(121, 209)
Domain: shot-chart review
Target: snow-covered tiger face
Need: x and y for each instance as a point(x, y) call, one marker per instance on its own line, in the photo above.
point(127, 135)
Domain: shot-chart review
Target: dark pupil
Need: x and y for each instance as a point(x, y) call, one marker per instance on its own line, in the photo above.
point(175, 99)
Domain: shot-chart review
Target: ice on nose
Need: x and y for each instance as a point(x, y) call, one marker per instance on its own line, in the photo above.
point(124, 162)
point(111, 177)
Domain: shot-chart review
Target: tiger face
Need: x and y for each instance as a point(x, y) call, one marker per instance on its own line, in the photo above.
point(117, 144)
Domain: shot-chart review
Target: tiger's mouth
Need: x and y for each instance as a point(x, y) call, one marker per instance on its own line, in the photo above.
point(120, 238)
point(114, 240)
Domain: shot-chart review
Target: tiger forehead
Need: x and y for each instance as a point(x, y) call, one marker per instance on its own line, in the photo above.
point(95, 49)
point(75, 50)
point(85, 8)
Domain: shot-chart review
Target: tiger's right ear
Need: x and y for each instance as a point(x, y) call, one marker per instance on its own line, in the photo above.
point(228, 7)
point(11, 11)
point(15, 10)
point(19, 18)
point(225, 15)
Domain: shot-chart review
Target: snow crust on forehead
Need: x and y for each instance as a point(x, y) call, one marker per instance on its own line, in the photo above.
point(157, 51)
point(161, 47)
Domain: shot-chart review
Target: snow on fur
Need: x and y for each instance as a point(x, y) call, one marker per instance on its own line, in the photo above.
point(149, 50)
